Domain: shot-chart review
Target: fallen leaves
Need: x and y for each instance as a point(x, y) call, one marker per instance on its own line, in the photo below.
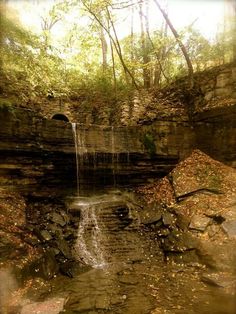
point(161, 192)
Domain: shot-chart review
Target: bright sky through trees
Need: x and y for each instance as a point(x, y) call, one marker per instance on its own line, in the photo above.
point(111, 47)
point(206, 15)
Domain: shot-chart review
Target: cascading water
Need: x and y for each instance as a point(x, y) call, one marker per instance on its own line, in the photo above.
point(89, 241)
point(81, 153)
point(113, 159)
point(88, 247)
point(74, 129)
point(94, 241)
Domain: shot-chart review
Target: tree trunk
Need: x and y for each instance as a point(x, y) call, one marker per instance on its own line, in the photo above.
point(158, 68)
point(104, 49)
point(132, 39)
point(145, 56)
point(115, 40)
point(181, 45)
point(234, 32)
point(118, 50)
point(113, 64)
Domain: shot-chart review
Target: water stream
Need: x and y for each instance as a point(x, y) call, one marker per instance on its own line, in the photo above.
point(87, 158)
point(74, 129)
point(95, 237)
point(88, 247)
point(127, 273)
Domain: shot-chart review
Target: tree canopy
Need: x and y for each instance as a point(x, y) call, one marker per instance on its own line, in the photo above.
point(91, 58)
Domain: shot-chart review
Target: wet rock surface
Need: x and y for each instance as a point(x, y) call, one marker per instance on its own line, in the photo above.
point(56, 230)
point(151, 288)
point(167, 249)
point(108, 229)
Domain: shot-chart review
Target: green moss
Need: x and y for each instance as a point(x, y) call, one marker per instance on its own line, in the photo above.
point(149, 144)
point(6, 105)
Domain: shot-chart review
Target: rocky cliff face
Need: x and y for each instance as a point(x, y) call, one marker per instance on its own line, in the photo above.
point(39, 152)
point(216, 133)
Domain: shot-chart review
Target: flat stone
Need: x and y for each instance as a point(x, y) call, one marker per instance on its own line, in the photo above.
point(230, 227)
point(64, 248)
point(219, 279)
point(199, 222)
point(179, 242)
point(150, 217)
point(45, 235)
point(46, 267)
point(58, 219)
point(199, 173)
point(168, 219)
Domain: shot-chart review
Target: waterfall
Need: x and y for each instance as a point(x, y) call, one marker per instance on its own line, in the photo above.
point(113, 155)
point(89, 246)
point(88, 160)
point(127, 143)
point(80, 152)
point(93, 245)
point(74, 129)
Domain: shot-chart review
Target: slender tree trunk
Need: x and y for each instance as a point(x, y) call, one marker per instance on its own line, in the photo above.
point(115, 40)
point(104, 49)
point(146, 59)
point(181, 45)
point(119, 51)
point(234, 32)
point(162, 56)
point(113, 63)
point(132, 39)
point(158, 69)
point(159, 63)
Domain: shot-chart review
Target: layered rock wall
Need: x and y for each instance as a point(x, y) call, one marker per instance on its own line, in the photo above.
point(32, 148)
point(39, 152)
point(216, 88)
point(215, 132)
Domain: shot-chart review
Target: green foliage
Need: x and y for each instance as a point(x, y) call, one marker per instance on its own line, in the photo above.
point(149, 143)
point(5, 105)
point(27, 71)
point(72, 66)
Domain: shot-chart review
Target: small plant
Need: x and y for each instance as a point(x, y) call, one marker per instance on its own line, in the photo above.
point(5, 105)
point(149, 144)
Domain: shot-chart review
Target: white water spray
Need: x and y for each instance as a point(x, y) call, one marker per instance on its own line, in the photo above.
point(80, 152)
point(89, 240)
point(74, 129)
